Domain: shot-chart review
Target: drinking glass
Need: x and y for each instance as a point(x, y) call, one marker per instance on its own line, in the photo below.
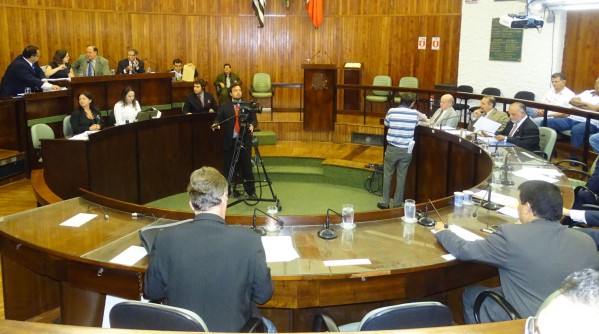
point(409, 210)
point(272, 224)
point(347, 213)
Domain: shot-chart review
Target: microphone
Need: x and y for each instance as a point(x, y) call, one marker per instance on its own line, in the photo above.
point(476, 211)
point(446, 119)
point(261, 230)
point(425, 220)
point(326, 54)
point(475, 140)
point(106, 217)
point(326, 232)
point(490, 205)
point(445, 225)
point(136, 215)
point(311, 58)
point(505, 179)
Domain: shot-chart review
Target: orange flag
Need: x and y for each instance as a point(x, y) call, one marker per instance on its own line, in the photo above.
point(314, 8)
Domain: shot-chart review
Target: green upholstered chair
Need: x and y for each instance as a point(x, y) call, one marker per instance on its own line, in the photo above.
point(379, 96)
point(39, 132)
point(548, 136)
point(407, 82)
point(261, 87)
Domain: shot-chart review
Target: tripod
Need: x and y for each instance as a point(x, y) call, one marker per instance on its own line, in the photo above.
point(239, 146)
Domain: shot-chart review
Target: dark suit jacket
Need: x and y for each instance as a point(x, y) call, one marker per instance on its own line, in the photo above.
point(80, 123)
point(223, 93)
point(125, 62)
point(19, 75)
point(526, 136)
point(192, 103)
point(217, 271)
point(227, 112)
point(521, 253)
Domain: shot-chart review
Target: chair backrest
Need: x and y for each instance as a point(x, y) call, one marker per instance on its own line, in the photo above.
point(67, 130)
point(548, 136)
point(39, 132)
point(261, 83)
point(381, 80)
point(465, 89)
point(409, 315)
point(409, 82)
point(491, 91)
point(149, 316)
point(525, 95)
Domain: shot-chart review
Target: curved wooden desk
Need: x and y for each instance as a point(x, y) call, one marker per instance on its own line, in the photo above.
point(72, 268)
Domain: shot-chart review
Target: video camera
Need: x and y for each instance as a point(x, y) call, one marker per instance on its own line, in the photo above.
point(248, 107)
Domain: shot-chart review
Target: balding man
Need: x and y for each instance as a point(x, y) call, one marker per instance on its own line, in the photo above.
point(445, 115)
point(90, 64)
point(521, 131)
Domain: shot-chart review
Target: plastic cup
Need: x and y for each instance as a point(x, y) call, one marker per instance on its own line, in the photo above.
point(468, 197)
point(458, 199)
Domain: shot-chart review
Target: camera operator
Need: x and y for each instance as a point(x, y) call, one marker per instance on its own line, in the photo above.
point(238, 121)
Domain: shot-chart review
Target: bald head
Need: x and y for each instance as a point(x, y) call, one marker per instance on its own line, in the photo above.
point(446, 101)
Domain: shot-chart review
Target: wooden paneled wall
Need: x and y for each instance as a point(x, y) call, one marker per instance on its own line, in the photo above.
point(581, 58)
point(381, 34)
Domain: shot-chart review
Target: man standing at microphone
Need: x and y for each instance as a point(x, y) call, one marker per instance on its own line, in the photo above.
point(238, 127)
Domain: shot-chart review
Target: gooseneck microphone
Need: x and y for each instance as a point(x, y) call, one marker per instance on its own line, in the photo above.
point(490, 205)
point(312, 58)
point(445, 225)
point(261, 230)
point(106, 217)
point(425, 220)
point(326, 232)
point(505, 180)
point(136, 215)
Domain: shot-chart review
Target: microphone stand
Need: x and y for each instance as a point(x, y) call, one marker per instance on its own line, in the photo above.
point(326, 232)
point(261, 230)
point(490, 205)
point(426, 220)
point(312, 58)
point(106, 217)
point(445, 225)
point(505, 180)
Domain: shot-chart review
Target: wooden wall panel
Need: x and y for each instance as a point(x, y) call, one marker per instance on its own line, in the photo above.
point(580, 50)
point(381, 34)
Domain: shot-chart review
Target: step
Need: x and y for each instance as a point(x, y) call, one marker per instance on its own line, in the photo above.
point(266, 137)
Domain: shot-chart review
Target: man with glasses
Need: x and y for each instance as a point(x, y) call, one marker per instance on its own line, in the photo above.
point(130, 65)
point(24, 72)
point(90, 64)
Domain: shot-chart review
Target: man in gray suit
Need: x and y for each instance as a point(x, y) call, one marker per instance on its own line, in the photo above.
point(445, 115)
point(206, 266)
point(90, 64)
point(533, 258)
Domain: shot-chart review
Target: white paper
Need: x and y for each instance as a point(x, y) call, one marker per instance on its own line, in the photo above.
point(486, 124)
point(497, 198)
point(83, 135)
point(279, 249)
point(130, 256)
point(79, 219)
point(448, 257)
point(411, 146)
point(351, 262)
point(543, 174)
point(508, 211)
point(464, 234)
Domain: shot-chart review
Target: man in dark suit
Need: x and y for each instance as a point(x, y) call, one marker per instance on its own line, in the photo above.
point(199, 101)
point(238, 126)
point(521, 131)
point(130, 65)
point(224, 82)
point(206, 266)
point(24, 72)
point(532, 258)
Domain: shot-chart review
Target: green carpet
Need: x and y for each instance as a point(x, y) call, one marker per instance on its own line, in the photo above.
point(302, 186)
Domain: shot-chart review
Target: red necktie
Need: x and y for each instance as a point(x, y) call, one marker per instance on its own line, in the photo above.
point(201, 103)
point(236, 118)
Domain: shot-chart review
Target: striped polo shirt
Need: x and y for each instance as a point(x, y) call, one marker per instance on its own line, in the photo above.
point(401, 122)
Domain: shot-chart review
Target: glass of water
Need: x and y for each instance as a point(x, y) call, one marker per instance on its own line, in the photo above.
point(409, 210)
point(347, 214)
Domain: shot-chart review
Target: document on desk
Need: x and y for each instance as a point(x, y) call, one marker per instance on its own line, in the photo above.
point(487, 125)
point(79, 219)
point(350, 262)
point(130, 256)
point(497, 198)
point(464, 233)
point(279, 249)
point(542, 174)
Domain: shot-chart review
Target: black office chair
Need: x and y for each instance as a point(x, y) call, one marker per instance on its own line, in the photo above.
point(402, 316)
point(491, 91)
point(463, 106)
point(525, 95)
point(499, 299)
point(149, 316)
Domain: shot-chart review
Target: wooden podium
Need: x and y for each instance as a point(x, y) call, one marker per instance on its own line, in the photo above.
point(320, 96)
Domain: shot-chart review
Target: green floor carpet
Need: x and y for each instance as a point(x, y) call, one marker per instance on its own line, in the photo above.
point(303, 186)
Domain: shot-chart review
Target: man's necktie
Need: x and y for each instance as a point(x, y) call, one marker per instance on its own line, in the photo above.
point(438, 116)
point(200, 99)
point(514, 128)
point(132, 68)
point(228, 81)
point(90, 71)
point(237, 118)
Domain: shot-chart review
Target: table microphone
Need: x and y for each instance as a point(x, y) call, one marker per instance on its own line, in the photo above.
point(445, 225)
point(106, 217)
point(425, 220)
point(260, 230)
point(326, 232)
point(490, 205)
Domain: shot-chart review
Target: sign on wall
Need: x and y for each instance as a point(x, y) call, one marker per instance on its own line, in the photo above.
point(506, 43)
point(422, 43)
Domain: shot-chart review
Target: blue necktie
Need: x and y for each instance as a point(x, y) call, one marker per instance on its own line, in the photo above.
point(89, 69)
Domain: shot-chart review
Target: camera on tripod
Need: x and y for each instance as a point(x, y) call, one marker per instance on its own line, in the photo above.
point(247, 108)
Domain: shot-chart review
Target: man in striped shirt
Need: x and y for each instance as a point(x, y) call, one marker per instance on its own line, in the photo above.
point(401, 122)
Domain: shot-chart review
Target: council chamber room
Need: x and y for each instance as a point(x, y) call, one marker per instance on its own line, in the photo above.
point(299, 166)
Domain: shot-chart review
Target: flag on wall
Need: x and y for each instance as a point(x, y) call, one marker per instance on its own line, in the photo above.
point(314, 8)
point(259, 10)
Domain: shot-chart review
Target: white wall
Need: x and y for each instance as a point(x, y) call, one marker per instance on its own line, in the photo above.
point(542, 53)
